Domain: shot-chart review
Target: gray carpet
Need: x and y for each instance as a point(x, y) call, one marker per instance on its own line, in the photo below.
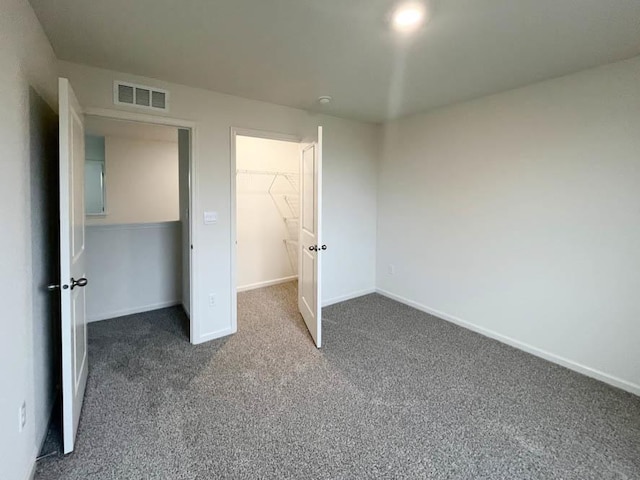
point(394, 393)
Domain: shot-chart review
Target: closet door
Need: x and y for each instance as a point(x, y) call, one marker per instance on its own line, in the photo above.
point(310, 238)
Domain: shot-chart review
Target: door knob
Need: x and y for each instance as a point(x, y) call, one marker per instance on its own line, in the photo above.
point(315, 248)
point(81, 282)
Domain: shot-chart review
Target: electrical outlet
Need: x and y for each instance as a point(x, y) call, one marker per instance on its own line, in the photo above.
point(391, 269)
point(22, 416)
point(212, 299)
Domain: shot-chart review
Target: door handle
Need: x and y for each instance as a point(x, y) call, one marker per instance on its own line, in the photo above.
point(315, 248)
point(81, 282)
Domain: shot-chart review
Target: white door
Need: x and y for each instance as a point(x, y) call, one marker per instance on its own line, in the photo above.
point(72, 262)
point(310, 260)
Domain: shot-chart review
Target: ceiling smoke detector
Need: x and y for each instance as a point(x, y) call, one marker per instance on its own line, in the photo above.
point(324, 100)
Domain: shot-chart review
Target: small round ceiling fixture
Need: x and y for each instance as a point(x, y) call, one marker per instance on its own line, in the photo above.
point(324, 100)
point(408, 17)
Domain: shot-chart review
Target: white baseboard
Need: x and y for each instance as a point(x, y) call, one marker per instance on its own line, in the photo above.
point(207, 337)
point(565, 362)
point(31, 468)
point(185, 307)
point(131, 311)
point(350, 296)
point(268, 283)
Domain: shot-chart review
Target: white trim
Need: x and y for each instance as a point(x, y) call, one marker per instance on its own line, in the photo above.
point(207, 337)
point(233, 234)
point(135, 226)
point(268, 283)
point(194, 318)
point(194, 324)
point(30, 473)
point(349, 296)
point(131, 311)
point(565, 362)
point(140, 117)
point(248, 132)
point(233, 133)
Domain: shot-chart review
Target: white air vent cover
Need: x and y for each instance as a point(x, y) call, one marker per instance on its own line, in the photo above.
point(140, 96)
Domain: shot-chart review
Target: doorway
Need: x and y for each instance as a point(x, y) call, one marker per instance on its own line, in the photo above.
point(268, 210)
point(276, 184)
point(136, 203)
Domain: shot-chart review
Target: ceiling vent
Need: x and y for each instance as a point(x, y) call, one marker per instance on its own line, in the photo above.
point(140, 96)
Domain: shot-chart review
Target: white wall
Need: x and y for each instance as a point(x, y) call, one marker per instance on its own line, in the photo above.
point(519, 214)
point(262, 256)
point(132, 268)
point(141, 179)
point(26, 61)
point(350, 159)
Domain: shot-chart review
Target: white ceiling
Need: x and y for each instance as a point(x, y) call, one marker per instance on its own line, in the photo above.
point(136, 131)
point(290, 52)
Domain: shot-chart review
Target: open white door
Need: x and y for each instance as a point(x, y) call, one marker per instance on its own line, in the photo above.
point(72, 262)
point(310, 238)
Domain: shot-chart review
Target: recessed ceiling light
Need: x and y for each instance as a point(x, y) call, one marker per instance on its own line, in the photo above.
point(324, 99)
point(409, 17)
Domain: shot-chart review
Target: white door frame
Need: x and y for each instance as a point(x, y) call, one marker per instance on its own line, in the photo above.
point(245, 132)
point(193, 197)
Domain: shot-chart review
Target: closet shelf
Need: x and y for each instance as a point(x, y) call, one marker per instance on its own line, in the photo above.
point(264, 172)
point(284, 192)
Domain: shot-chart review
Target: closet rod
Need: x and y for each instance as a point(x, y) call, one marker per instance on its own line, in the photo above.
point(264, 172)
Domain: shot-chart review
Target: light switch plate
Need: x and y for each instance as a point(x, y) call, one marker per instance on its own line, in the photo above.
point(210, 218)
